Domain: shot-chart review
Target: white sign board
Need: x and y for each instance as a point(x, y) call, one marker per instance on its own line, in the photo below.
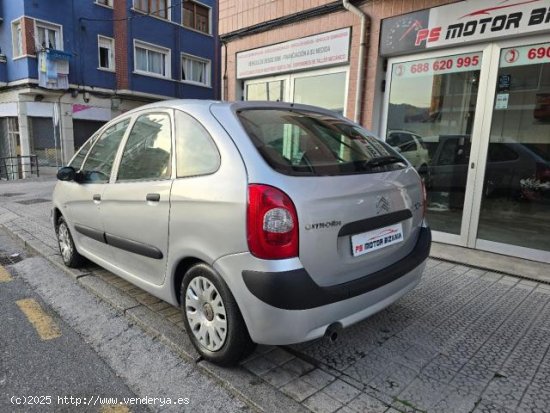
point(438, 66)
point(308, 52)
point(463, 22)
point(526, 55)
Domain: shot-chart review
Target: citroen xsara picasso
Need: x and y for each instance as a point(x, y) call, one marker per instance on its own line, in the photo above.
point(266, 223)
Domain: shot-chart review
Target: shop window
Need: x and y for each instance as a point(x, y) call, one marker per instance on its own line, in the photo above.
point(157, 8)
point(106, 52)
point(195, 70)
point(151, 60)
point(196, 16)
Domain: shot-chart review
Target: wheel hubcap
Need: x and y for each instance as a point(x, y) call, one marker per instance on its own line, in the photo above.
point(205, 312)
point(65, 244)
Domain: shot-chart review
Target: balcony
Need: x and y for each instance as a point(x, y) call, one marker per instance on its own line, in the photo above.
point(53, 69)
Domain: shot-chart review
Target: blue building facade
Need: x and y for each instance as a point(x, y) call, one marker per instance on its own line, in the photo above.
point(68, 66)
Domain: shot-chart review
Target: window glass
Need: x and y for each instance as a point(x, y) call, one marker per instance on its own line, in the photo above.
point(151, 61)
point(516, 189)
point(195, 70)
point(435, 99)
point(196, 152)
point(76, 163)
point(17, 37)
point(48, 36)
point(305, 143)
point(148, 149)
point(196, 16)
point(157, 8)
point(99, 163)
point(106, 58)
point(500, 152)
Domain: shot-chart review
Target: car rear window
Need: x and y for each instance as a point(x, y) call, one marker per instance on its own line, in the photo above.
point(296, 142)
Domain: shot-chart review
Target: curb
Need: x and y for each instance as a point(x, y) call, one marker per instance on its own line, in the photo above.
point(251, 389)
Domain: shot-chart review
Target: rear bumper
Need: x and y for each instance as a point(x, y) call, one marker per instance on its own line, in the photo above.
point(282, 310)
point(295, 290)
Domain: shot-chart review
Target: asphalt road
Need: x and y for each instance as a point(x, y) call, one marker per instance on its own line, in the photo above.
point(61, 350)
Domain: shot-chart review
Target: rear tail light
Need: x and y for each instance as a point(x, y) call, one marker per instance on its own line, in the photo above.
point(542, 172)
point(272, 223)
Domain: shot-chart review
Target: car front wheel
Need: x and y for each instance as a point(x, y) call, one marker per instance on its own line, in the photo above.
point(212, 318)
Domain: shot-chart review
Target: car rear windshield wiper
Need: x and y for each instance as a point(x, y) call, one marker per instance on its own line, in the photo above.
point(384, 160)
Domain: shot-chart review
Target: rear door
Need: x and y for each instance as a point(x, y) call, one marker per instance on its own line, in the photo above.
point(135, 208)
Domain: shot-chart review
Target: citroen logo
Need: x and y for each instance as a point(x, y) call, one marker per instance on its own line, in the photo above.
point(383, 205)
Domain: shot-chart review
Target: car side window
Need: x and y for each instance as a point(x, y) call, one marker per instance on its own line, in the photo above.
point(147, 154)
point(76, 163)
point(99, 163)
point(196, 152)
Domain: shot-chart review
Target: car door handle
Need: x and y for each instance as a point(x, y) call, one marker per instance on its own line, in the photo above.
point(97, 197)
point(153, 197)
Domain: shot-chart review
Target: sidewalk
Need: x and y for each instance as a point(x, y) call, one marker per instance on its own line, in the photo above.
point(465, 340)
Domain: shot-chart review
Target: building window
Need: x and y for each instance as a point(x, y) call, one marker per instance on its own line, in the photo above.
point(48, 36)
point(196, 16)
point(195, 70)
point(17, 37)
point(106, 52)
point(151, 59)
point(158, 8)
point(107, 3)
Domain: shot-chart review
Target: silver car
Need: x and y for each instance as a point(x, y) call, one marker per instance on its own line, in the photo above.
point(266, 223)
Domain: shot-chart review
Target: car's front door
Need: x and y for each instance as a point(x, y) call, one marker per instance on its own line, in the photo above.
point(82, 205)
point(135, 206)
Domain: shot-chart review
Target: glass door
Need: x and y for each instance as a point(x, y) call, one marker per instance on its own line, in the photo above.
point(431, 118)
point(514, 212)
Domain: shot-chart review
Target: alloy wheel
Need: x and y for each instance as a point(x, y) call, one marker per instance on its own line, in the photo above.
point(205, 312)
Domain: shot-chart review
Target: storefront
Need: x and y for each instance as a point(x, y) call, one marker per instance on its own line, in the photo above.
point(479, 104)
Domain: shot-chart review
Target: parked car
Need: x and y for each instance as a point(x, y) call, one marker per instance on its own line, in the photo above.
point(265, 222)
point(508, 164)
point(412, 147)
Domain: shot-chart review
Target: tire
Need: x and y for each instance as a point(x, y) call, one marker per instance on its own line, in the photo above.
point(212, 318)
point(70, 256)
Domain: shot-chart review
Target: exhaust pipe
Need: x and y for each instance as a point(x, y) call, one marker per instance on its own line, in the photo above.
point(332, 331)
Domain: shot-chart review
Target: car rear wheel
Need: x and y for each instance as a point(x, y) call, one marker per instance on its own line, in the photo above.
point(212, 318)
point(69, 254)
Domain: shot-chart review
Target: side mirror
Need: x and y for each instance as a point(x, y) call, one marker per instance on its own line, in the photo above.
point(396, 149)
point(66, 173)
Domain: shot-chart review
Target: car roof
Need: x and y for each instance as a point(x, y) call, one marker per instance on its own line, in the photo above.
point(197, 104)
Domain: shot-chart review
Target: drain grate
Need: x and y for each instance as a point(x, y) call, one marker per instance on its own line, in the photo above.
point(34, 201)
point(9, 194)
point(10, 259)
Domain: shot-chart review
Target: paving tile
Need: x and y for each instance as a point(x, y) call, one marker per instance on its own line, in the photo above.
point(278, 356)
point(299, 366)
point(279, 376)
point(322, 403)
point(366, 403)
point(259, 365)
point(298, 389)
point(424, 393)
point(341, 391)
point(318, 378)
